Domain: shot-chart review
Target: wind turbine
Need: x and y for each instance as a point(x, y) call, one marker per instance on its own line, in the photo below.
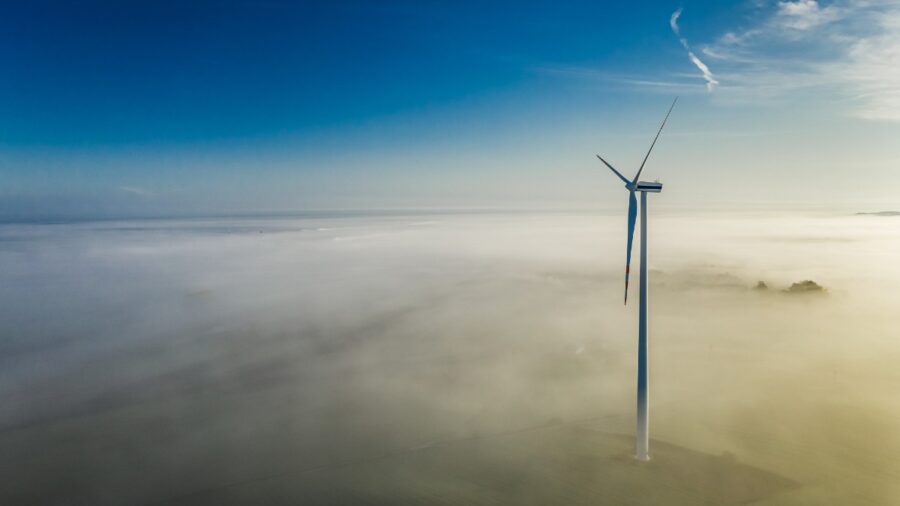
point(642, 432)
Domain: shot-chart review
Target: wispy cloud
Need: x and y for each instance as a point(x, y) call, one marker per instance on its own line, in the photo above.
point(849, 50)
point(708, 76)
point(873, 71)
point(846, 52)
point(806, 14)
point(673, 22)
point(647, 83)
point(134, 190)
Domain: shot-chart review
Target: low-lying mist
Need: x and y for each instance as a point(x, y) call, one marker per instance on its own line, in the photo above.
point(446, 359)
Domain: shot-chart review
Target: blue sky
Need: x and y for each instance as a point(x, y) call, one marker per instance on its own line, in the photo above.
point(218, 107)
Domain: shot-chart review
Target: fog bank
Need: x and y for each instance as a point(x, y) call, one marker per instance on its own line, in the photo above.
point(482, 358)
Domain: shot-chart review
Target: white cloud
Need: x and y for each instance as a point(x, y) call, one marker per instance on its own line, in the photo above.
point(711, 81)
point(847, 50)
point(806, 14)
point(673, 22)
point(872, 69)
point(708, 76)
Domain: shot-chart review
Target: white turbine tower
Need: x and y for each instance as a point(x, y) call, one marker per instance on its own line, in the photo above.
point(642, 432)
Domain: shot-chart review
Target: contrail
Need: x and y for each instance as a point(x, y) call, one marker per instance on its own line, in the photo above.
point(711, 81)
point(673, 22)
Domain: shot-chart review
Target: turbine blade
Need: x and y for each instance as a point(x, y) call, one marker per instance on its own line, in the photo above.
point(636, 176)
point(614, 170)
point(632, 219)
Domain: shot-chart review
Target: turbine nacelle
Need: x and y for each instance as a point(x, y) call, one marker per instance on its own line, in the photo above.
point(644, 186)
